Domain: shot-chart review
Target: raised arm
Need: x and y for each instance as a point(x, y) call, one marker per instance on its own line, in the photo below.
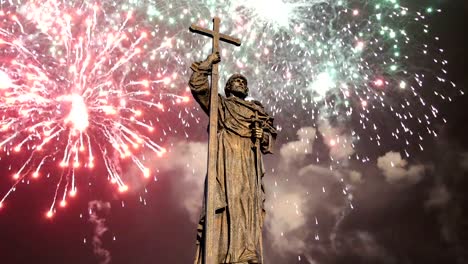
point(199, 84)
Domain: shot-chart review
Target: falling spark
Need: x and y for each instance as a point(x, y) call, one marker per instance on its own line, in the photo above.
point(96, 84)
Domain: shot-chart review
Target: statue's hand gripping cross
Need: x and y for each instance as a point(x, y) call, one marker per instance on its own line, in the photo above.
point(209, 256)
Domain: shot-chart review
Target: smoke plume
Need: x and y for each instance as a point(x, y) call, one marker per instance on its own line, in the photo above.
point(96, 209)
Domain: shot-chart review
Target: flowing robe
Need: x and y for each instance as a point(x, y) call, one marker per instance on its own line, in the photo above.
point(239, 195)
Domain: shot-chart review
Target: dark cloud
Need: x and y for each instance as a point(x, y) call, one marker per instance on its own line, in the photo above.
point(464, 161)
point(439, 196)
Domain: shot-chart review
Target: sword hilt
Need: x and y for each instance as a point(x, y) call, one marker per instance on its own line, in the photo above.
point(256, 122)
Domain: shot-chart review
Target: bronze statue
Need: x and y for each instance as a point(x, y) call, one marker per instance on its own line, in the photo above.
point(244, 131)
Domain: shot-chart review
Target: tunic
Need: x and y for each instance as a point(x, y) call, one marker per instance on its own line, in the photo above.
point(239, 196)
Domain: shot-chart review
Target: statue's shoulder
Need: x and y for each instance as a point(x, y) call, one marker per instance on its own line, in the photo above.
point(258, 103)
point(258, 106)
point(253, 105)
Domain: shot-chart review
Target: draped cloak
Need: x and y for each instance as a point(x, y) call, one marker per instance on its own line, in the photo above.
point(239, 194)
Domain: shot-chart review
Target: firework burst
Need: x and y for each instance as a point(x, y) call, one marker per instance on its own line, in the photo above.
point(371, 70)
point(72, 93)
point(82, 81)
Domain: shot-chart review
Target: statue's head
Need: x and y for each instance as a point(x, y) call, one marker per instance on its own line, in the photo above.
point(237, 85)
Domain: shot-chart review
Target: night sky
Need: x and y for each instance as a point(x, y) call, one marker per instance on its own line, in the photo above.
point(417, 215)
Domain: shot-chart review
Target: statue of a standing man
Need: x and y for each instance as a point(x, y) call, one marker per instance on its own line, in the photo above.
point(244, 130)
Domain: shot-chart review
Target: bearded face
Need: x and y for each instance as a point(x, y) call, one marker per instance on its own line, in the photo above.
point(237, 86)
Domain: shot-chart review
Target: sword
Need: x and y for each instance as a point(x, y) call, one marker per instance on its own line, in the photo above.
point(256, 121)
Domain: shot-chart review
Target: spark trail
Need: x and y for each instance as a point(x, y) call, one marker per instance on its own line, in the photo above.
point(85, 81)
point(69, 95)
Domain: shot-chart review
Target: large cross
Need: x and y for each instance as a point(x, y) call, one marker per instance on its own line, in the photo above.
point(209, 256)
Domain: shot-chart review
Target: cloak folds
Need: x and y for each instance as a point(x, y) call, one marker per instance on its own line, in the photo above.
point(239, 196)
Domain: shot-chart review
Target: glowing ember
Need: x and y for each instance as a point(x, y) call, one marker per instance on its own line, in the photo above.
point(95, 84)
point(79, 114)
